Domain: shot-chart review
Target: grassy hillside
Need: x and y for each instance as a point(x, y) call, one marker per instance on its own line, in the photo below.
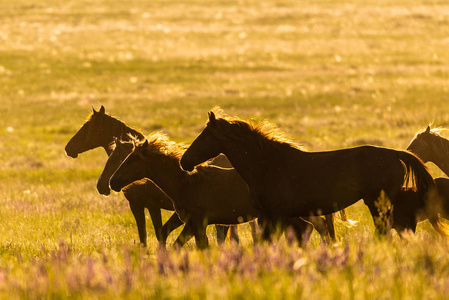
point(331, 74)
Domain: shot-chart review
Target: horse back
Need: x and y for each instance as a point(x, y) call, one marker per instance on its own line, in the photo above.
point(329, 181)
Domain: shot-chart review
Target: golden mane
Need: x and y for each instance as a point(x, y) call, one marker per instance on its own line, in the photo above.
point(159, 143)
point(131, 138)
point(433, 138)
point(264, 130)
point(436, 132)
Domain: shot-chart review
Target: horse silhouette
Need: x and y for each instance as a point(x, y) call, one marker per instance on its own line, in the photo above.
point(209, 195)
point(99, 130)
point(287, 182)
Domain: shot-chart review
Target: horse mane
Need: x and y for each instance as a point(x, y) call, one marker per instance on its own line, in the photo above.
point(131, 138)
point(132, 134)
point(159, 143)
point(433, 133)
point(443, 143)
point(438, 131)
point(264, 132)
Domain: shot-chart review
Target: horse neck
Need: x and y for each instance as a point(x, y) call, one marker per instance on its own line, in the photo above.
point(118, 129)
point(440, 156)
point(111, 167)
point(247, 160)
point(167, 174)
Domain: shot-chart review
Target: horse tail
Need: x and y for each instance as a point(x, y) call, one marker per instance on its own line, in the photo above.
point(348, 223)
point(329, 222)
point(416, 175)
point(440, 227)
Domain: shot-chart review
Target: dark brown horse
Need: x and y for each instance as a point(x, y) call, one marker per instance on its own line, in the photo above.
point(121, 149)
point(210, 195)
point(429, 145)
point(442, 184)
point(99, 130)
point(408, 210)
point(287, 182)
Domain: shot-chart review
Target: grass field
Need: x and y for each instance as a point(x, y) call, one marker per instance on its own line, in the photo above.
point(331, 74)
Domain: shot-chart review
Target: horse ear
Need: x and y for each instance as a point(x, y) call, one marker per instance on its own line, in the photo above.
point(212, 118)
point(93, 110)
point(145, 144)
point(102, 110)
point(428, 129)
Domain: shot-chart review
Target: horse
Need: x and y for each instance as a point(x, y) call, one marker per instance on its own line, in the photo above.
point(199, 199)
point(209, 195)
point(429, 145)
point(286, 181)
point(408, 209)
point(99, 131)
point(442, 184)
point(121, 149)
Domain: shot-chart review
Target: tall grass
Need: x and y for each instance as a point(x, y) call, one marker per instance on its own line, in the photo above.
point(331, 74)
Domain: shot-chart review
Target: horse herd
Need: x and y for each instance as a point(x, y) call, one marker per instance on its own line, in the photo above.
point(236, 171)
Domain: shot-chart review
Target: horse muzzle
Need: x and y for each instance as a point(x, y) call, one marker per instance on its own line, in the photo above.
point(115, 184)
point(186, 166)
point(72, 155)
point(103, 190)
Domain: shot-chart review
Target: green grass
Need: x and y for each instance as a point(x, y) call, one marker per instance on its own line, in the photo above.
point(331, 74)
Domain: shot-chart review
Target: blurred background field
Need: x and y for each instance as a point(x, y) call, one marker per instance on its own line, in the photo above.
point(331, 74)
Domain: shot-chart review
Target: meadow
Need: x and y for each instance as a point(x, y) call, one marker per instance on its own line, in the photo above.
point(331, 74)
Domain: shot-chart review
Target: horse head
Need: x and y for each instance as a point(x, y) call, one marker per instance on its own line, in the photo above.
point(204, 147)
point(120, 151)
point(89, 136)
point(423, 146)
point(133, 168)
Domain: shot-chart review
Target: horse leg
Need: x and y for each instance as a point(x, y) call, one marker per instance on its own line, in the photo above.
point(321, 225)
point(379, 225)
point(171, 224)
point(266, 226)
point(254, 229)
point(156, 218)
point(185, 235)
point(199, 230)
point(441, 229)
point(344, 219)
point(302, 229)
point(404, 218)
point(235, 233)
point(222, 232)
point(330, 225)
point(138, 211)
point(401, 228)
